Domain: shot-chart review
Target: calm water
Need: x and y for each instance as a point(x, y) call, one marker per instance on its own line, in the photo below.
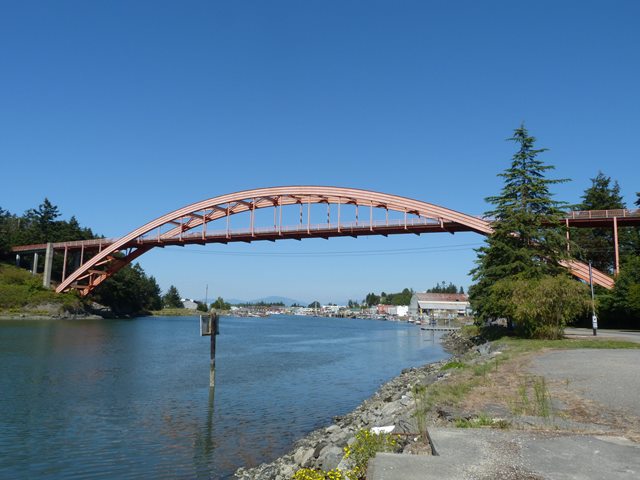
point(130, 399)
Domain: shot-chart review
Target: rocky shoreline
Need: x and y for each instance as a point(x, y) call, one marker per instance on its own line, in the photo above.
point(50, 316)
point(393, 404)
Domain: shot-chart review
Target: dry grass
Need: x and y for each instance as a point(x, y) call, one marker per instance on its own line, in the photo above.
point(504, 382)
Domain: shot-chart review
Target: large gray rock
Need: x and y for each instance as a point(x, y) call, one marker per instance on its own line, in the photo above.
point(304, 456)
point(330, 457)
point(390, 412)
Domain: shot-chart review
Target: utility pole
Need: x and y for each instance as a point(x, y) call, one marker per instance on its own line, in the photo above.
point(594, 318)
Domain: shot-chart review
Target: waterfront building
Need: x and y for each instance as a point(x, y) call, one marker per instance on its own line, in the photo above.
point(189, 303)
point(395, 310)
point(439, 304)
point(383, 309)
point(402, 310)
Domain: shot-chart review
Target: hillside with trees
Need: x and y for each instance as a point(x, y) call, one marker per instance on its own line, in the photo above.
point(129, 292)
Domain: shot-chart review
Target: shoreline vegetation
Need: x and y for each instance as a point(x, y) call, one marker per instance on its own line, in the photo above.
point(176, 312)
point(484, 384)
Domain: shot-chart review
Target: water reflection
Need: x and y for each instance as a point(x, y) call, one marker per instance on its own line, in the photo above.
point(204, 442)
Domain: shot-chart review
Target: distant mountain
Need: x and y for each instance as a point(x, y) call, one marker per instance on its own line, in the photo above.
point(272, 299)
point(234, 301)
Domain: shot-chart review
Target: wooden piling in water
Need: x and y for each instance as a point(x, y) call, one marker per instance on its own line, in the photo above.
point(213, 329)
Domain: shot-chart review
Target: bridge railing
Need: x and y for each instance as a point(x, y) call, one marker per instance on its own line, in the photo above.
point(587, 214)
point(73, 244)
point(299, 228)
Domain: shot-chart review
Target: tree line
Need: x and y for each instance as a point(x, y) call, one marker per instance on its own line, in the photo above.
point(399, 298)
point(518, 275)
point(619, 307)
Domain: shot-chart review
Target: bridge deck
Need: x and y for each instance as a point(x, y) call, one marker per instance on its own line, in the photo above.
point(586, 219)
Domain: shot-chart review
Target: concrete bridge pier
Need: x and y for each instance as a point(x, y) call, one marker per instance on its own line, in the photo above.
point(34, 268)
point(75, 261)
point(48, 266)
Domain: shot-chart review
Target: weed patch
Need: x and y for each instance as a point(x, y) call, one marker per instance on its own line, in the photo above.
point(453, 365)
point(533, 398)
point(482, 420)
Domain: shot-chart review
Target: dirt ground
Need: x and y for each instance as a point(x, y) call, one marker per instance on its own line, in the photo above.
point(519, 391)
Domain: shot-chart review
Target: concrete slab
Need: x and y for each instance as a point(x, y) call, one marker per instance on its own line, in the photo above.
point(487, 454)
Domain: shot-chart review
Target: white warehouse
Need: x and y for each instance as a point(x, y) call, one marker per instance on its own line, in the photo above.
point(439, 304)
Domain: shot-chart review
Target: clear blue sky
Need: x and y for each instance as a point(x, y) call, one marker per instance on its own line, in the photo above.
point(119, 112)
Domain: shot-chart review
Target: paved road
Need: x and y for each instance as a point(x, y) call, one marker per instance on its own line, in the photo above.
point(610, 377)
point(630, 335)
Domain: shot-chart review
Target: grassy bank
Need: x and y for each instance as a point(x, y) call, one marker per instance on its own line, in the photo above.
point(22, 292)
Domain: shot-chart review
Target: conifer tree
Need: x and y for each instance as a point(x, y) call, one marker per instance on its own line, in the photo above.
point(596, 244)
point(524, 244)
point(171, 299)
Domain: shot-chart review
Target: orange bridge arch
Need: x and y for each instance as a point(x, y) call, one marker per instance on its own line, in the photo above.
point(190, 224)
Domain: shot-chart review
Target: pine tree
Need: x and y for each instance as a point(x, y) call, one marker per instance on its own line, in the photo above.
point(171, 299)
point(44, 220)
point(596, 244)
point(524, 244)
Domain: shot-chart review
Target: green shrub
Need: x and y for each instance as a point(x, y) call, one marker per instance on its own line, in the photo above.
point(542, 307)
point(310, 474)
point(364, 448)
point(453, 364)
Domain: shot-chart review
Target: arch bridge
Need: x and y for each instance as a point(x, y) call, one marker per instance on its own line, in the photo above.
point(349, 212)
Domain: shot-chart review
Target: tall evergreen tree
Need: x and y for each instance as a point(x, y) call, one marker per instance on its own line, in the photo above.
point(596, 244)
point(523, 244)
point(372, 299)
point(44, 218)
point(602, 195)
point(171, 299)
